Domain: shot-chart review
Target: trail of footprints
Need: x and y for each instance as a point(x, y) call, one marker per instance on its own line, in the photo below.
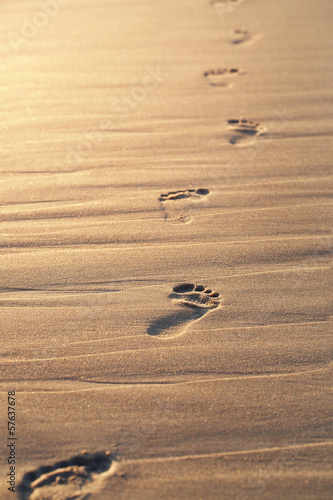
point(78, 477)
point(69, 479)
point(196, 300)
point(244, 132)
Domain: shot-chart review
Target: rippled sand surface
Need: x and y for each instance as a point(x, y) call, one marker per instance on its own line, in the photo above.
point(165, 248)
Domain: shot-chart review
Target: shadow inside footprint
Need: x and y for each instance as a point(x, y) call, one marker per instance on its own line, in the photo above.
point(221, 77)
point(188, 193)
point(171, 323)
point(67, 479)
point(245, 36)
point(196, 301)
point(244, 130)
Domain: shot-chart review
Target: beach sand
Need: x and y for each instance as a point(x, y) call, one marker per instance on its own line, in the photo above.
point(165, 248)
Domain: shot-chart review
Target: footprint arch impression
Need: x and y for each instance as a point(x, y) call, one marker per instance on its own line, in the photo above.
point(193, 302)
point(176, 204)
point(75, 478)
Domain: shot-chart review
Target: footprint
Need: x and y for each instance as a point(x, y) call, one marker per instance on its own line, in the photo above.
point(221, 77)
point(195, 301)
point(223, 7)
point(245, 37)
point(226, 2)
point(245, 131)
point(69, 479)
point(175, 206)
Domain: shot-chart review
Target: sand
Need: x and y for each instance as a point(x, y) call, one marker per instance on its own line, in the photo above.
point(165, 248)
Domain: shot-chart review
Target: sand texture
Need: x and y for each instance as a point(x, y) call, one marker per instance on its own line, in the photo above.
point(166, 220)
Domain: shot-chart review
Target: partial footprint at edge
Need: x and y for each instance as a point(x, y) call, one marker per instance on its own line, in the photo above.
point(223, 7)
point(69, 479)
point(221, 77)
point(226, 2)
point(175, 204)
point(195, 301)
point(245, 37)
point(244, 131)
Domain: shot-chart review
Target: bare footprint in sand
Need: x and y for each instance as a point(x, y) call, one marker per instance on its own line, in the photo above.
point(195, 301)
point(221, 77)
point(244, 131)
point(223, 7)
point(175, 204)
point(245, 37)
point(68, 480)
point(226, 2)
